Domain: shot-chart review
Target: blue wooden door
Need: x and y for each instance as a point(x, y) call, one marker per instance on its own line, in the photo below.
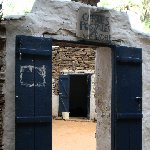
point(88, 94)
point(33, 93)
point(127, 99)
point(64, 91)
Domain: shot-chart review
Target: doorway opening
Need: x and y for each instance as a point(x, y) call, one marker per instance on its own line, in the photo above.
point(73, 81)
point(73, 74)
point(78, 102)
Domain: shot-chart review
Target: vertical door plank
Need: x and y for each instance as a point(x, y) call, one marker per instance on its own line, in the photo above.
point(24, 101)
point(64, 93)
point(43, 85)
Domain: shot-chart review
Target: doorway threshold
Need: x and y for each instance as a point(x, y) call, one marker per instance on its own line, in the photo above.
point(76, 119)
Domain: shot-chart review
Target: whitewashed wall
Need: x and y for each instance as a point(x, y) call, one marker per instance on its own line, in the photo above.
point(103, 98)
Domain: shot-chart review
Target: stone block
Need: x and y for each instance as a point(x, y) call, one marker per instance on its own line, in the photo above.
point(94, 24)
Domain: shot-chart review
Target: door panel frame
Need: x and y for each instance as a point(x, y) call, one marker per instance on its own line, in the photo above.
point(88, 94)
point(35, 50)
point(120, 116)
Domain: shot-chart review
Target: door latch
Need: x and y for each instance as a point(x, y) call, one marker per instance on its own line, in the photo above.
point(139, 99)
point(20, 55)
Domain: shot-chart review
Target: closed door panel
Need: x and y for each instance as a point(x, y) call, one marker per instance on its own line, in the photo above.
point(33, 93)
point(24, 102)
point(43, 103)
point(127, 100)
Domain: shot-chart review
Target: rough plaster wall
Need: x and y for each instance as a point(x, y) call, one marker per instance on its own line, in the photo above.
point(93, 114)
point(59, 17)
point(55, 105)
point(53, 17)
point(103, 98)
point(146, 92)
point(9, 116)
point(9, 113)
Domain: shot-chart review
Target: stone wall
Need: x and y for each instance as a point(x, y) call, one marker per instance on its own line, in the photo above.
point(2, 79)
point(71, 59)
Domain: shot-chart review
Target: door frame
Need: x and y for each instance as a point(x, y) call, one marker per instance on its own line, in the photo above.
point(109, 45)
point(89, 89)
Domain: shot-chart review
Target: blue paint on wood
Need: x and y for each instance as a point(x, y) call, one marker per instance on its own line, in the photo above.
point(23, 44)
point(23, 108)
point(88, 94)
point(64, 93)
point(43, 103)
point(33, 93)
point(126, 100)
point(38, 119)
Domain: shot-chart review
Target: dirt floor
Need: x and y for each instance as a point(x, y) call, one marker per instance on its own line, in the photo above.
point(72, 135)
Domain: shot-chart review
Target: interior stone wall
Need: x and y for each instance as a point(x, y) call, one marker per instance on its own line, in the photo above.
point(75, 59)
point(72, 60)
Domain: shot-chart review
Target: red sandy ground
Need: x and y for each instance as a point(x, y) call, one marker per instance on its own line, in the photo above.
point(72, 135)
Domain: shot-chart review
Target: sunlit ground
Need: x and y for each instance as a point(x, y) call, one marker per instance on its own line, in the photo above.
point(73, 135)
